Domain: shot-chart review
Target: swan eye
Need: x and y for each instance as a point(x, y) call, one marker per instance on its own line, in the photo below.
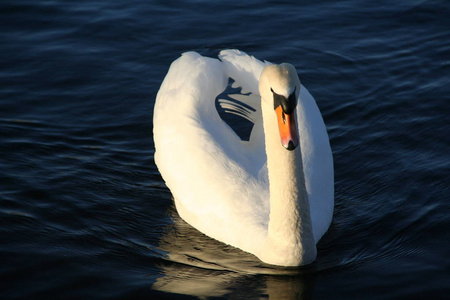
point(288, 104)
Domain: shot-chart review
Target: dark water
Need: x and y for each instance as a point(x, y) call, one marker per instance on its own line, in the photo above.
point(84, 212)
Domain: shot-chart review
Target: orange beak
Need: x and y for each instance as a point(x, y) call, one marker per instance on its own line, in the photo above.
point(287, 128)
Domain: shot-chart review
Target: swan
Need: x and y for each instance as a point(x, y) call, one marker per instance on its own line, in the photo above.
point(271, 196)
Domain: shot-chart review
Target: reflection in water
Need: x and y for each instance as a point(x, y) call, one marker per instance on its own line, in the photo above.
point(200, 266)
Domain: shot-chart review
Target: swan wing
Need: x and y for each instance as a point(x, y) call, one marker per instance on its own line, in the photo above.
point(218, 186)
point(317, 163)
point(245, 69)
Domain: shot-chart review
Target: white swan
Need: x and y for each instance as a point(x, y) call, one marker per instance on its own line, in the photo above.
point(273, 195)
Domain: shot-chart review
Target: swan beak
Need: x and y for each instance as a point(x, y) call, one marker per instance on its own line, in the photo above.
point(287, 128)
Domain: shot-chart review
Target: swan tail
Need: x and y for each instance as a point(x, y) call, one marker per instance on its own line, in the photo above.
point(237, 108)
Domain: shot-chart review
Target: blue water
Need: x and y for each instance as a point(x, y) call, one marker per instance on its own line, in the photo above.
point(84, 212)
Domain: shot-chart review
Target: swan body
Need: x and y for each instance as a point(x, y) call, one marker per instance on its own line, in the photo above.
point(273, 195)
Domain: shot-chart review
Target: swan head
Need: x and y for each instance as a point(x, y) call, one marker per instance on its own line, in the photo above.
point(279, 87)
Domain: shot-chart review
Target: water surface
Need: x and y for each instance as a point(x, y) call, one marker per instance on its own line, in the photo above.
point(84, 211)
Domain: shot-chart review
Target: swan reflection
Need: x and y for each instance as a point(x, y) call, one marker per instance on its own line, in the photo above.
point(199, 266)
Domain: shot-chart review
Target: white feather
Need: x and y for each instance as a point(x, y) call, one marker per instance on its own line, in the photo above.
point(220, 183)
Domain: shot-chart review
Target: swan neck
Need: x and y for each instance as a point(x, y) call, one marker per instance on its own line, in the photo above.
point(290, 239)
